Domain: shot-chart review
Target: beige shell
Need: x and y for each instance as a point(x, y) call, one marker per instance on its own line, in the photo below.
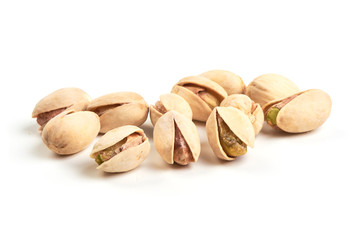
point(249, 107)
point(239, 124)
point(170, 101)
point(306, 112)
point(124, 108)
point(200, 109)
point(70, 132)
point(231, 82)
point(127, 159)
point(164, 135)
point(269, 87)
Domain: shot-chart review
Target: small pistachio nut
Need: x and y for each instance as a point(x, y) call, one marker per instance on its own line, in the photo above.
point(229, 132)
point(231, 82)
point(58, 101)
point(71, 132)
point(269, 87)
point(119, 109)
point(121, 149)
point(301, 112)
point(201, 93)
point(169, 102)
point(176, 139)
point(249, 107)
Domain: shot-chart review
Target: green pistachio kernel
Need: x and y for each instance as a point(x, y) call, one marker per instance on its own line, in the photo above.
point(272, 115)
point(98, 160)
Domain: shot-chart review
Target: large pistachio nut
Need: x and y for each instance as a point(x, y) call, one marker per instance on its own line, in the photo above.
point(119, 109)
point(121, 149)
point(176, 139)
point(231, 82)
point(269, 87)
point(301, 112)
point(249, 107)
point(201, 93)
point(70, 132)
point(169, 102)
point(229, 132)
point(56, 102)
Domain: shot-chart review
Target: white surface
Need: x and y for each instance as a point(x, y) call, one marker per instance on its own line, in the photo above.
point(303, 186)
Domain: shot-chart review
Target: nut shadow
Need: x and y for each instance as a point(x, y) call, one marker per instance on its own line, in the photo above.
point(270, 132)
point(148, 129)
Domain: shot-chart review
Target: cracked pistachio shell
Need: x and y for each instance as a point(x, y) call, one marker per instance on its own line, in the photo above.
point(200, 109)
point(164, 135)
point(269, 87)
point(170, 101)
point(249, 107)
point(305, 112)
point(231, 82)
point(119, 109)
point(126, 160)
point(70, 132)
point(238, 123)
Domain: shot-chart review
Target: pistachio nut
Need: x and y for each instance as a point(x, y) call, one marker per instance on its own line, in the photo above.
point(249, 107)
point(269, 87)
point(201, 93)
point(231, 82)
point(176, 139)
point(70, 132)
point(121, 149)
point(58, 101)
point(229, 132)
point(301, 112)
point(169, 102)
point(119, 109)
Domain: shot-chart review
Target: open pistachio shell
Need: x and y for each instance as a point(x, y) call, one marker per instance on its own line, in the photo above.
point(301, 112)
point(169, 102)
point(201, 93)
point(231, 82)
point(176, 139)
point(237, 123)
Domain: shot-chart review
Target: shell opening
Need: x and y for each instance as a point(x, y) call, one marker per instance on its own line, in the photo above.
point(160, 107)
point(45, 117)
point(182, 152)
point(102, 109)
point(209, 97)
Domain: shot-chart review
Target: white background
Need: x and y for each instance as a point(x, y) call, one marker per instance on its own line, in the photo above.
point(303, 186)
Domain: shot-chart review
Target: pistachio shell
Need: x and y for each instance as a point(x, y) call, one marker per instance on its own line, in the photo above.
point(170, 101)
point(70, 132)
point(231, 82)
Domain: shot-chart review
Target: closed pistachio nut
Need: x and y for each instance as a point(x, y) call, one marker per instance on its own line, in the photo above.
point(169, 102)
point(176, 139)
point(58, 101)
point(121, 149)
point(201, 93)
point(301, 112)
point(119, 109)
point(231, 82)
point(229, 132)
point(70, 132)
point(269, 87)
point(249, 107)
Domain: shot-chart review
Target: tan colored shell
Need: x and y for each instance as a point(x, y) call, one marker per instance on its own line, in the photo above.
point(70, 132)
point(249, 107)
point(231, 82)
point(164, 135)
point(200, 109)
point(239, 124)
point(269, 87)
point(306, 112)
point(127, 108)
point(127, 159)
point(170, 101)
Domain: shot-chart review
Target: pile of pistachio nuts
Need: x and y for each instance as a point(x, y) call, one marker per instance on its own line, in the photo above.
point(234, 114)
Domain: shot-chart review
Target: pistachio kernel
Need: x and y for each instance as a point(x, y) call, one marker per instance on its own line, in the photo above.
point(182, 152)
point(271, 116)
point(211, 100)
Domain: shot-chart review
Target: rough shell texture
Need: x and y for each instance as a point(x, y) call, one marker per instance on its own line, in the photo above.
point(239, 124)
point(269, 87)
point(127, 159)
point(200, 109)
point(171, 101)
point(231, 82)
point(164, 135)
point(70, 132)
